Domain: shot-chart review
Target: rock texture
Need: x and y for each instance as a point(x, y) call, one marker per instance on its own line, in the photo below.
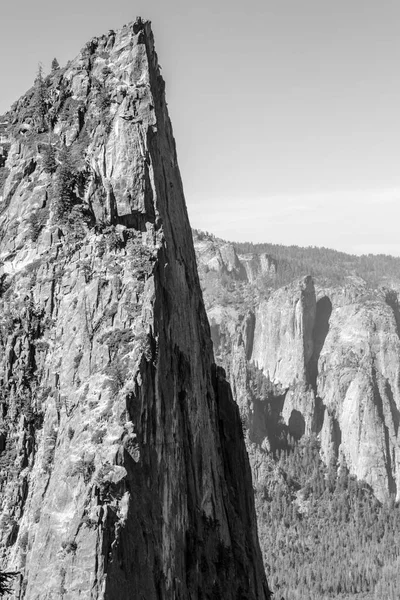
point(283, 338)
point(303, 360)
point(123, 468)
point(358, 383)
point(222, 258)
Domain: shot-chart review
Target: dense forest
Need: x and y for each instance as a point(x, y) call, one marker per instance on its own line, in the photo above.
point(324, 263)
point(323, 533)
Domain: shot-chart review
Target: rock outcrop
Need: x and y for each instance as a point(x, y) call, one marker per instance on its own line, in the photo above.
point(123, 468)
point(221, 257)
point(283, 336)
point(258, 266)
point(358, 383)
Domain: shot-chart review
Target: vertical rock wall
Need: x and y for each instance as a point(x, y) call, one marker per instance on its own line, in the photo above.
point(123, 467)
point(283, 338)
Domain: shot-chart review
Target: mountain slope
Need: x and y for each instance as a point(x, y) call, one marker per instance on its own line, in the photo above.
point(123, 468)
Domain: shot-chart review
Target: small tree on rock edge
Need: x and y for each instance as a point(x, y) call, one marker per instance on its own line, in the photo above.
point(39, 100)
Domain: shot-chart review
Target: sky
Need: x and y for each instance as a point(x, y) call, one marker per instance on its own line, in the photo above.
point(285, 112)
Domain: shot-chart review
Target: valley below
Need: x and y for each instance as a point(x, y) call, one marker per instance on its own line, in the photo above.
point(309, 340)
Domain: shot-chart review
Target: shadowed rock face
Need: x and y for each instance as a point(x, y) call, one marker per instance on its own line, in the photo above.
point(123, 468)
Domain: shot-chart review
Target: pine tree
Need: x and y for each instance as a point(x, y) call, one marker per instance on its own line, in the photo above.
point(49, 158)
point(66, 180)
point(39, 100)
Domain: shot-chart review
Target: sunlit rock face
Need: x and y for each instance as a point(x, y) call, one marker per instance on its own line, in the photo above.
point(322, 361)
point(283, 336)
point(358, 383)
point(124, 472)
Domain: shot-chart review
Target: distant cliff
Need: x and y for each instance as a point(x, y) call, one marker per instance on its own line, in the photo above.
point(122, 464)
point(309, 358)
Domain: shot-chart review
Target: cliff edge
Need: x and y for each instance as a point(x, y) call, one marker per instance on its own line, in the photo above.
point(122, 462)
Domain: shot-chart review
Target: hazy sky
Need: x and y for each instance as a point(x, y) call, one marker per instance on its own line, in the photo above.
point(286, 113)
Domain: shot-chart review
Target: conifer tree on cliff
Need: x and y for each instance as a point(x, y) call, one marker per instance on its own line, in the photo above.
point(64, 185)
point(39, 100)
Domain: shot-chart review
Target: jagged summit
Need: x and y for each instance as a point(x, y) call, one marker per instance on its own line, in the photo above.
point(76, 114)
point(122, 464)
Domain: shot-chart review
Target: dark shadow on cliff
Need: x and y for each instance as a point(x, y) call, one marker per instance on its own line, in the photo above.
point(392, 301)
point(380, 410)
point(393, 408)
point(264, 419)
point(249, 325)
point(297, 425)
point(336, 435)
point(321, 329)
point(319, 415)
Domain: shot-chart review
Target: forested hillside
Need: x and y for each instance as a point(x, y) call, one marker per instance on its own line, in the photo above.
point(324, 535)
point(323, 264)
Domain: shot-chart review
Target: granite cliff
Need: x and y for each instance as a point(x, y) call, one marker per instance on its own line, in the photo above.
point(311, 357)
point(123, 468)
